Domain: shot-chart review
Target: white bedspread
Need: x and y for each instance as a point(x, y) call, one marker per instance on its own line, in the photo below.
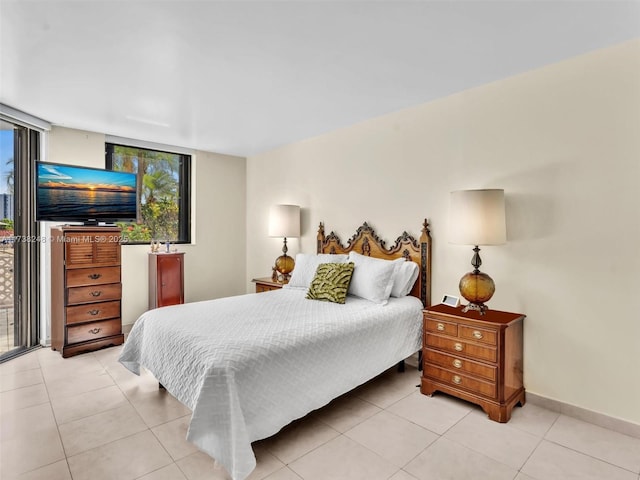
point(249, 365)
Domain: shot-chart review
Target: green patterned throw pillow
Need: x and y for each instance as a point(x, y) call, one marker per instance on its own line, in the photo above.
point(331, 282)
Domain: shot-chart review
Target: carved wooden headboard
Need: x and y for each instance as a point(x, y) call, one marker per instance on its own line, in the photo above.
point(366, 242)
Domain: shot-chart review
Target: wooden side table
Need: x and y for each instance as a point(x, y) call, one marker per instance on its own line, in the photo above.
point(166, 279)
point(474, 357)
point(265, 284)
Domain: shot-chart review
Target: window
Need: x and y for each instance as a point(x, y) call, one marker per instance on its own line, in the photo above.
point(163, 193)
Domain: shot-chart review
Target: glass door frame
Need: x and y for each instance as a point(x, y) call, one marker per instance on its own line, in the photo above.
point(28, 147)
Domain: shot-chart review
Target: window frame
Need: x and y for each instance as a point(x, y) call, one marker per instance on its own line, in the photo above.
point(184, 187)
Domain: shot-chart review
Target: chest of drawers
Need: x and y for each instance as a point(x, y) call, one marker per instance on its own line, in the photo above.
point(85, 289)
point(474, 357)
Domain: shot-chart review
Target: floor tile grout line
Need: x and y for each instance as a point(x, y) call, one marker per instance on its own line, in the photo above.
point(330, 440)
point(591, 456)
point(480, 453)
point(423, 450)
point(108, 443)
point(542, 439)
point(566, 415)
point(306, 453)
point(456, 423)
point(64, 451)
point(111, 441)
point(150, 429)
point(288, 465)
point(18, 371)
point(180, 468)
point(156, 470)
point(28, 406)
point(584, 453)
point(162, 444)
point(92, 414)
point(426, 428)
point(138, 411)
point(67, 457)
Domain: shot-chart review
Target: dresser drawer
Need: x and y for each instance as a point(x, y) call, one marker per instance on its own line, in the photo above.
point(459, 347)
point(441, 327)
point(92, 276)
point(96, 293)
point(93, 311)
point(93, 330)
point(464, 365)
point(457, 380)
point(481, 335)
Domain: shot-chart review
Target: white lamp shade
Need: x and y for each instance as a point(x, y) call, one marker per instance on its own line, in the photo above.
point(477, 217)
point(284, 221)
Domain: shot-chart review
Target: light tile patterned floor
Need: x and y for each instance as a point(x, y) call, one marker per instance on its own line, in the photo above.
point(87, 417)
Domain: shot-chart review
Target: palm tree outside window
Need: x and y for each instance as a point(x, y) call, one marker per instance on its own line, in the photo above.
point(163, 185)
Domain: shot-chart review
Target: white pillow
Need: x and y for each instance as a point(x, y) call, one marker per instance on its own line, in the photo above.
point(372, 278)
point(404, 278)
point(306, 266)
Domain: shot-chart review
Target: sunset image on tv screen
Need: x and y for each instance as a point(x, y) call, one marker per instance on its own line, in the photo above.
point(83, 193)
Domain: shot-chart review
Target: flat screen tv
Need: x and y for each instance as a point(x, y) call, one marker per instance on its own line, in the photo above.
point(66, 193)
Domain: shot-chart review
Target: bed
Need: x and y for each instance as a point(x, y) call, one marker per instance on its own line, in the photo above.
point(249, 365)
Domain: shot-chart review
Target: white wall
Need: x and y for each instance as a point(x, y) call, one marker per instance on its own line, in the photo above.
point(564, 143)
point(215, 261)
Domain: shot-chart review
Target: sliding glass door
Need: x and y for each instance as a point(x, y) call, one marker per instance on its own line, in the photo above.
point(19, 246)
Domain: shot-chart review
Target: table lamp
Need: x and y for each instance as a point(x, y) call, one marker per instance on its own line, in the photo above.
point(284, 221)
point(477, 217)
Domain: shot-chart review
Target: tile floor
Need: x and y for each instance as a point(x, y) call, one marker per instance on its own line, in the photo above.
point(86, 417)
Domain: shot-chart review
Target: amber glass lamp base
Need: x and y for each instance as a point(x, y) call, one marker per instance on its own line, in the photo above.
point(284, 266)
point(477, 287)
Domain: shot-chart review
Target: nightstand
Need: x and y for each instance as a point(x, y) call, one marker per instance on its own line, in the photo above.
point(265, 284)
point(166, 279)
point(474, 357)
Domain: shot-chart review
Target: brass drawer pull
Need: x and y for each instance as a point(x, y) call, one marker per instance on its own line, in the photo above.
point(457, 380)
point(97, 293)
point(94, 276)
point(477, 334)
point(94, 312)
point(440, 327)
point(457, 363)
point(95, 331)
point(457, 347)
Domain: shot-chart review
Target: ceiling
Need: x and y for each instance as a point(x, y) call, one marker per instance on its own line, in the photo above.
point(242, 77)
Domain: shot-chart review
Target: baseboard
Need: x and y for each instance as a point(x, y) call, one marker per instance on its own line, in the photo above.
point(612, 423)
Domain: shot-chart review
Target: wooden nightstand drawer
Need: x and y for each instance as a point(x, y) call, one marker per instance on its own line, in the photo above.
point(459, 347)
point(93, 311)
point(266, 284)
point(464, 365)
point(478, 335)
point(441, 327)
point(458, 380)
point(93, 330)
